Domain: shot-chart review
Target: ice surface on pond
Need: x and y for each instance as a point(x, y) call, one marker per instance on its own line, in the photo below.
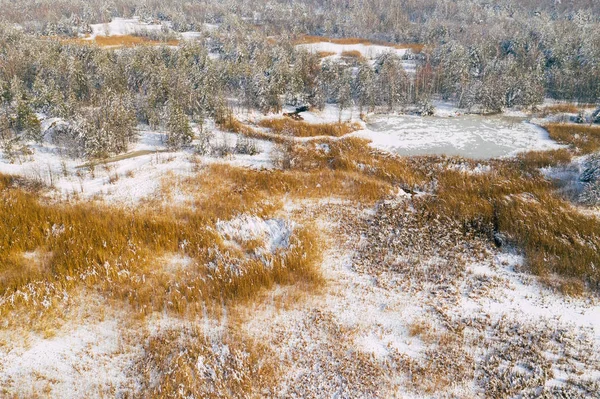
point(471, 136)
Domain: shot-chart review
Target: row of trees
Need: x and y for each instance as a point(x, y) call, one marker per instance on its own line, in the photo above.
point(492, 58)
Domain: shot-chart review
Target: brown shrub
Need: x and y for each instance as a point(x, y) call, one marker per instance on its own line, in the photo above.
point(323, 54)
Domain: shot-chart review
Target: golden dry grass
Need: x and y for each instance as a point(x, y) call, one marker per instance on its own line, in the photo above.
point(561, 108)
point(544, 159)
point(583, 139)
point(231, 124)
point(116, 251)
point(290, 127)
point(120, 41)
point(352, 154)
point(566, 108)
point(323, 54)
point(522, 206)
point(352, 54)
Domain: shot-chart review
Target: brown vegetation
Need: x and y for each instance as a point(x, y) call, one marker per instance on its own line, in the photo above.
point(564, 108)
point(187, 363)
point(512, 202)
point(323, 54)
point(544, 159)
point(120, 41)
point(290, 127)
point(116, 251)
point(584, 139)
point(352, 54)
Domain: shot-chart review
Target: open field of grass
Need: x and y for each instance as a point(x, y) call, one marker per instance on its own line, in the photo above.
point(57, 247)
point(119, 41)
point(290, 127)
point(583, 139)
point(523, 209)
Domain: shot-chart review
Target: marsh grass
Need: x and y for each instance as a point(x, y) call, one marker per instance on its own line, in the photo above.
point(116, 251)
point(523, 207)
point(119, 41)
point(188, 363)
point(324, 54)
point(290, 127)
point(544, 159)
point(231, 124)
point(353, 54)
point(564, 108)
point(583, 139)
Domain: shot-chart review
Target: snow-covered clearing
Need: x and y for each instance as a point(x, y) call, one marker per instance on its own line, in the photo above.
point(135, 26)
point(129, 178)
point(369, 51)
point(124, 26)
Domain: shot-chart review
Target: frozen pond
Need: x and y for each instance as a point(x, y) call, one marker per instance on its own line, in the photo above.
point(471, 136)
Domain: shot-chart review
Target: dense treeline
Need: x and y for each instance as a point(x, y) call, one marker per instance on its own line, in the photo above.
point(104, 94)
point(482, 56)
point(551, 44)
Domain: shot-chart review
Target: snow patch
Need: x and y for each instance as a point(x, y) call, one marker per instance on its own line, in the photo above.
point(124, 26)
point(369, 51)
point(273, 233)
point(85, 362)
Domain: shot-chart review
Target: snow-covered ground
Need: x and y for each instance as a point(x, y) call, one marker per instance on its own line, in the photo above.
point(392, 317)
point(131, 177)
point(380, 322)
point(369, 51)
point(133, 26)
point(273, 234)
point(124, 26)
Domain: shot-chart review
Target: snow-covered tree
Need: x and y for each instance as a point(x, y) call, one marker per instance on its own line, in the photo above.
point(179, 131)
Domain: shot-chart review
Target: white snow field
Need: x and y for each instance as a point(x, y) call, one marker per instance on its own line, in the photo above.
point(369, 51)
point(123, 26)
